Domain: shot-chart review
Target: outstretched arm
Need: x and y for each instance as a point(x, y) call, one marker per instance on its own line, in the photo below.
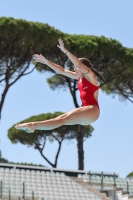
point(74, 59)
point(40, 58)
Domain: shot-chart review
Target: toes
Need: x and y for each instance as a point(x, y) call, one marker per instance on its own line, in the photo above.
point(27, 129)
point(17, 127)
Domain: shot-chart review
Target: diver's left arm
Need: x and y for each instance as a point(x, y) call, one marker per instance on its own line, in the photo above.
point(77, 63)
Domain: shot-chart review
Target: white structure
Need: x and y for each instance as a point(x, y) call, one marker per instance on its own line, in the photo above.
point(25, 182)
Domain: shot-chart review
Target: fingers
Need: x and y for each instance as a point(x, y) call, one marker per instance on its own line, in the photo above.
point(60, 40)
point(35, 56)
point(42, 59)
point(61, 43)
point(39, 58)
point(58, 46)
point(36, 59)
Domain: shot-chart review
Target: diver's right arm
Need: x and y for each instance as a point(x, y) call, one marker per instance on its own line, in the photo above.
point(57, 68)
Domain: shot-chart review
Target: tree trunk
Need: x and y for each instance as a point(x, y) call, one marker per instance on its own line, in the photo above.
point(80, 138)
point(3, 98)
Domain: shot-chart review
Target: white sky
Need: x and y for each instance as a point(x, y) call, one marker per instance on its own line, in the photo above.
point(110, 147)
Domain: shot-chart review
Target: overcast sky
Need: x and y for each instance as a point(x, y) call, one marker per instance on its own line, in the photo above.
point(110, 147)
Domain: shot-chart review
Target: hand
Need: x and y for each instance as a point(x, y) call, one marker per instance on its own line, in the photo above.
point(61, 45)
point(40, 58)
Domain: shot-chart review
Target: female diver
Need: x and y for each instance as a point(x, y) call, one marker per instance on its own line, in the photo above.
point(88, 88)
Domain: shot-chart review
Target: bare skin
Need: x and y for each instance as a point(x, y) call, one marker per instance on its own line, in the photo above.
point(83, 115)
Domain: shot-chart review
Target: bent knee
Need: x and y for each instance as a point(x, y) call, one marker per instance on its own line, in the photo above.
point(63, 118)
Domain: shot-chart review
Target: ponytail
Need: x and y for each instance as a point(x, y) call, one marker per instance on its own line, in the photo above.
point(86, 62)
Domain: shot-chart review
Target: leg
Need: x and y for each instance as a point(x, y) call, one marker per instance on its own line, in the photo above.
point(83, 115)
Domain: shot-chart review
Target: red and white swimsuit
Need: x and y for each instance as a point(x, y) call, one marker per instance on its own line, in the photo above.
point(87, 91)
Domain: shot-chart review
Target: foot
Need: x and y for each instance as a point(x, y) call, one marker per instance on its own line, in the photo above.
point(28, 127)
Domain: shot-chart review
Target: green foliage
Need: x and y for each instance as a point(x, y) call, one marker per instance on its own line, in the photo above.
point(114, 61)
point(39, 137)
point(130, 175)
point(27, 164)
point(84, 45)
point(34, 31)
point(3, 160)
point(108, 56)
point(19, 40)
point(22, 39)
point(57, 81)
point(62, 133)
